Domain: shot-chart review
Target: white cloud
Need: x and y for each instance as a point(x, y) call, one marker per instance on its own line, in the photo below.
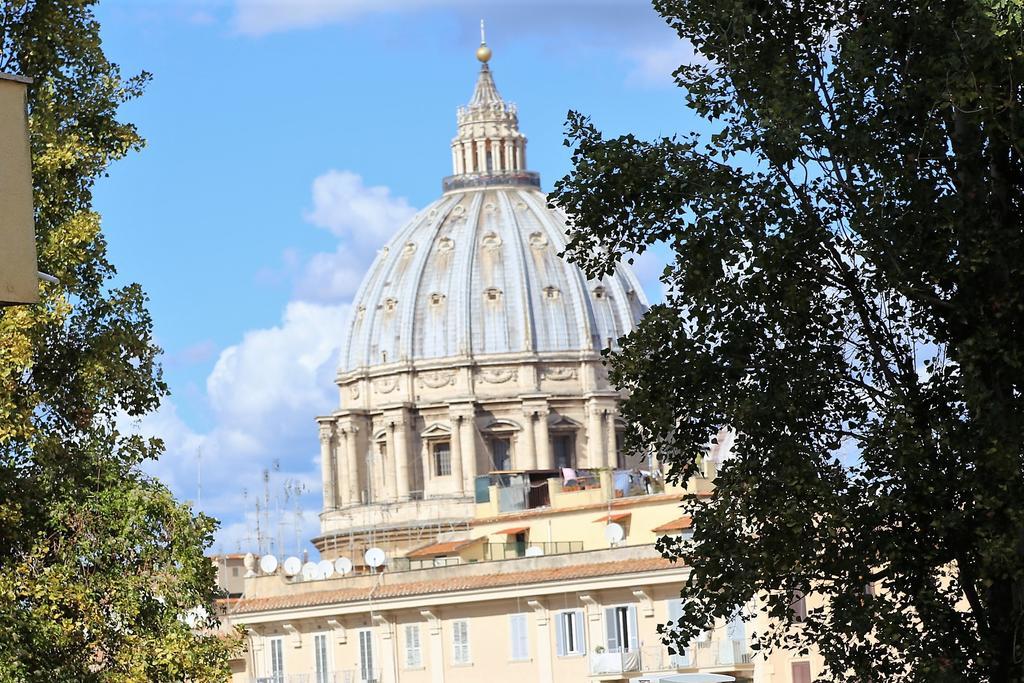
point(353, 211)
point(264, 392)
point(653, 65)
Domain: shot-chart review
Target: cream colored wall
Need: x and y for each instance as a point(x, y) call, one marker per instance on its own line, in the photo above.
point(18, 280)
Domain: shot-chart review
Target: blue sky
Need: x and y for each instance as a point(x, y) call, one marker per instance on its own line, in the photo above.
point(287, 139)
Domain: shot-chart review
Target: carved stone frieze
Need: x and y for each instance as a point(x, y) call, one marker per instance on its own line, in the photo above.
point(559, 373)
point(385, 385)
point(498, 375)
point(437, 378)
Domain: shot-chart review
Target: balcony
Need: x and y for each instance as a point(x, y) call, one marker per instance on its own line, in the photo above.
point(349, 676)
point(510, 551)
point(609, 663)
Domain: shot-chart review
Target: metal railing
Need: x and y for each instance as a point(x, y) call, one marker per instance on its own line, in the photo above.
point(509, 551)
point(316, 677)
point(614, 662)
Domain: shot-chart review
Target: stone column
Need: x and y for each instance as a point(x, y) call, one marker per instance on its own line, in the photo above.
point(402, 458)
point(543, 442)
point(509, 166)
point(389, 478)
point(327, 464)
point(522, 155)
point(481, 155)
point(527, 450)
point(425, 464)
point(595, 452)
point(340, 453)
point(354, 485)
point(468, 432)
point(610, 459)
point(456, 453)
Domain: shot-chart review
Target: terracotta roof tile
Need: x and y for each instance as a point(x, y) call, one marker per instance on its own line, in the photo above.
point(613, 517)
point(675, 525)
point(461, 583)
point(441, 548)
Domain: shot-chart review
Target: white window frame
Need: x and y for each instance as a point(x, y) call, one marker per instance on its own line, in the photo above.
point(514, 654)
point(632, 622)
point(579, 632)
point(461, 654)
point(413, 663)
point(328, 658)
point(275, 676)
point(369, 640)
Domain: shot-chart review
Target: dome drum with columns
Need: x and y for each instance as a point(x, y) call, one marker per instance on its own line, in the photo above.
point(473, 348)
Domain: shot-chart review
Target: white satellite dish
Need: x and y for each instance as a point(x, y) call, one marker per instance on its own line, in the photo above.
point(534, 551)
point(268, 564)
point(310, 571)
point(325, 568)
point(613, 533)
point(375, 557)
point(292, 566)
point(343, 565)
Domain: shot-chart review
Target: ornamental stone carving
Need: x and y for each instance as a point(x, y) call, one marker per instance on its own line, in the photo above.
point(385, 385)
point(437, 378)
point(498, 375)
point(559, 374)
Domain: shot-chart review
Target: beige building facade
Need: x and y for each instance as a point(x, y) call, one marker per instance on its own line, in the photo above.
point(480, 521)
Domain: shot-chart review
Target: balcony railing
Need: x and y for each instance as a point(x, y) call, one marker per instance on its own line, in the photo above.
point(614, 662)
point(318, 677)
point(508, 551)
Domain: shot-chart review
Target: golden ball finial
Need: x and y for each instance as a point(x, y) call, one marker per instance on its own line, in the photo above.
point(483, 53)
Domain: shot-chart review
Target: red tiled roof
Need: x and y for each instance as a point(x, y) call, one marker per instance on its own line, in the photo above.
point(464, 583)
point(442, 548)
point(513, 531)
point(675, 525)
point(613, 517)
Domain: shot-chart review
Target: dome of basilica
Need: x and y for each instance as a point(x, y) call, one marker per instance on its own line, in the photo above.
point(477, 272)
point(474, 348)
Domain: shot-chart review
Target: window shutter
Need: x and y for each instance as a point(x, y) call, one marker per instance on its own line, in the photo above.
point(634, 629)
point(560, 634)
point(518, 635)
point(675, 613)
point(611, 630)
point(577, 622)
point(801, 672)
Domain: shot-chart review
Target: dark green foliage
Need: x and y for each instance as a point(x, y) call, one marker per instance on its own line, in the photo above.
point(847, 295)
point(102, 573)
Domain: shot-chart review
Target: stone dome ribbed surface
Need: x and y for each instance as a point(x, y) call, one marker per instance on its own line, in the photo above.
point(477, 273)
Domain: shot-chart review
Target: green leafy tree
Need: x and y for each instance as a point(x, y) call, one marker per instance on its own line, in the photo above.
point(846, 293)
point(102, 573)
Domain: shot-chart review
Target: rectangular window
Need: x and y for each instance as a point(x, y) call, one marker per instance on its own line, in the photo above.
point(323, 667)
point(442, 459)
point(569, 638)
point(799, 606)
point(366, 672)
point(564, 448)
point(501, 454)
point(460, 642)
point(620, 629)
point(801, 672)
point(519, 637)
point(277, 660)
point(413, 654)
point(679, 657)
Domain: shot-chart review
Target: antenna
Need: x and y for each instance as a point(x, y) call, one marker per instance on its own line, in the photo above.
point(199, 477)
point(292, 566)
point(268, 564)
point(374, 557)
point(614, 533)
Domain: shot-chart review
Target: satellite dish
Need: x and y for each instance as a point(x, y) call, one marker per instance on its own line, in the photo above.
point(325, 568)
point(614, 533)
point(268, 564)
point(534, 551)
point(374, 557)
point(292, 566)
point(343, 565)
point(310, 571)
